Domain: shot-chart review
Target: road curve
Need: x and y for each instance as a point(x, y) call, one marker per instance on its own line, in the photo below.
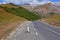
point(37, 31)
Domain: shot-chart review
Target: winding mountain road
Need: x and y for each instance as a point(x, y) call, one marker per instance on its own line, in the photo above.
point(35, 30)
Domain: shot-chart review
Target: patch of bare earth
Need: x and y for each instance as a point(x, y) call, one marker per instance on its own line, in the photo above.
point(53, 20)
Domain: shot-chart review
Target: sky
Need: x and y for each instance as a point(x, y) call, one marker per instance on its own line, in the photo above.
point(55, 0)
point(32, 2)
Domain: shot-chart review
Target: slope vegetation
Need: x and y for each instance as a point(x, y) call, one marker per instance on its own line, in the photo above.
point(21, 12)
point(53, 20)
point(44, 10)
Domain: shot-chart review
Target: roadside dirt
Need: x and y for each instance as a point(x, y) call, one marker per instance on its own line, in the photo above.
point(6, 29)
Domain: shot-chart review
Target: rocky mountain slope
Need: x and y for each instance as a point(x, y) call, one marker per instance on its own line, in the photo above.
point(43, 9)
point(27, 6)
point(46, 9)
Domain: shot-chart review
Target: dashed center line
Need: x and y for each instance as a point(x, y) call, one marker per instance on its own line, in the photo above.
point(28, 29)
point(36, 33)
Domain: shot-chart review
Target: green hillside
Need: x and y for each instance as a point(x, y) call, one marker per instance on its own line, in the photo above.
point(19, 11)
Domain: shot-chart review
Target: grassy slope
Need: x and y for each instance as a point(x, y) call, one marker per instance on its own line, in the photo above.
point(8, 17)
point(54, 20)
point(8, 22)
point(19, 11)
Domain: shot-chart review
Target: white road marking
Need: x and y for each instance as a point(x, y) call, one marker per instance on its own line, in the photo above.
point(36, 33)
point(28, 29)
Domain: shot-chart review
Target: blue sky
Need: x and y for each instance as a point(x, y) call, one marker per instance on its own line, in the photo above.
point(28, 1)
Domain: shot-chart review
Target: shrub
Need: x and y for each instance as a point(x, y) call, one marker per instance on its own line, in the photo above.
point(52, 13)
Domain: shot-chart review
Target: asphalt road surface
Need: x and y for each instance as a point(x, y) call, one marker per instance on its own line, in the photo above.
point(35, 30)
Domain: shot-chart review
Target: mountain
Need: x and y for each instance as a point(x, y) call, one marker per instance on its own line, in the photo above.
point(27, 6)
point(46, 9)
point(50, 13)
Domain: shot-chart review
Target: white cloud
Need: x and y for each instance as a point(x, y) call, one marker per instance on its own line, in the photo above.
point(32, 2)
point(3, 2)
point(35, 2)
